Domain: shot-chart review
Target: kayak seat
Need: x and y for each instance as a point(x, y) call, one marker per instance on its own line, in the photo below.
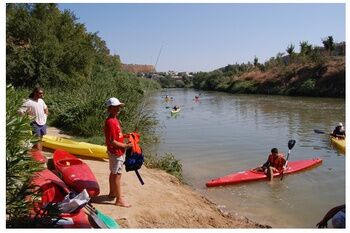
point(69, 162)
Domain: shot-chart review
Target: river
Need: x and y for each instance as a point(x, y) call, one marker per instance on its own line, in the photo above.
point(224, 133)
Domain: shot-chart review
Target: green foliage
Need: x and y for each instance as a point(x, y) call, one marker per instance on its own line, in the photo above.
point(245, 86)
point(328, 44)
point(290, 49)
point(20, 166)
point(179, 83)
point(308, 87)
point(82, 111)
point(50, 48)
point(168, 162)
point(166, 81)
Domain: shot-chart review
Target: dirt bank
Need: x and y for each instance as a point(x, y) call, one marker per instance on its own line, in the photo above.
point(161, 203)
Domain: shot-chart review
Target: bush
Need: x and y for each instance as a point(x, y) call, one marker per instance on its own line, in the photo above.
point(307, 88)
point(20, 167)
point(168, 162)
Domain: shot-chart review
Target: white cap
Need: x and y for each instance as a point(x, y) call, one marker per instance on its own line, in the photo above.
point(114, 102)
point(340, 124)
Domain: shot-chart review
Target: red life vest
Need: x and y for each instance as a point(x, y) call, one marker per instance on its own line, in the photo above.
point(134, 157)
point(277, 161)
point(134, 138)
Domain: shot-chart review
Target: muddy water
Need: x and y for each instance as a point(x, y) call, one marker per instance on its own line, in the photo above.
point(224, 133)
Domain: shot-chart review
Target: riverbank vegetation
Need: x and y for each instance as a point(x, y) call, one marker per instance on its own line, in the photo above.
point(49, 48)
point(314, 71)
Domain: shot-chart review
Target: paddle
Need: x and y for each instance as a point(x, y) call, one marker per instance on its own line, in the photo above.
point(96, 219)
point(105, 219)
point(291, 144)
point(319, 131)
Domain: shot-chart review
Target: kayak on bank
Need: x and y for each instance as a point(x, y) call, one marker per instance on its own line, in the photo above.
point(74, 147)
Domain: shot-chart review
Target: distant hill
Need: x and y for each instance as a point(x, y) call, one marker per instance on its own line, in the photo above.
point(134, 68)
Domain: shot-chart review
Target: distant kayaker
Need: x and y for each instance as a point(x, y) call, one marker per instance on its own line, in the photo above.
point(274, 164)
point(176, 107)
point(116, 150)
point(37, 110)
point(339, 131)
point(337, 214)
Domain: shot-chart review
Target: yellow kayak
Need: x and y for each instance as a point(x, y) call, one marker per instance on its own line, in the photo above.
point(74, 147)
point(339, 143)
point(175, 111)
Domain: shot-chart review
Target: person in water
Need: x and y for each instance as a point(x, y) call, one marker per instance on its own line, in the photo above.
point(339, 131)
point(274, 164)
point(337, 214)
point(176, 107)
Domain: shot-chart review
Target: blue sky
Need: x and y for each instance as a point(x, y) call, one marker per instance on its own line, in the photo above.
point(204, 37)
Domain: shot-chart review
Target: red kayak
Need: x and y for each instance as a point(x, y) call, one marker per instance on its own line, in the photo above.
point(75, 173)
point(250, 175)
point(53, 190)
point(38, 156)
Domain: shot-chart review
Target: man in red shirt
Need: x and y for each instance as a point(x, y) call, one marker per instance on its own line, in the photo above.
point(116, 150)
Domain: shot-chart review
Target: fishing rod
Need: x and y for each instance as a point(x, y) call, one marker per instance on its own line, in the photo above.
point(160, 50)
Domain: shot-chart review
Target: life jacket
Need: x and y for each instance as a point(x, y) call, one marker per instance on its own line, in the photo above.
point(134, 157)
point(277, 162)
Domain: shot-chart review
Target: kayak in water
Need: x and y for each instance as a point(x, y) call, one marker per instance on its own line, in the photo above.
point(251, 175)
point(175, 111)
point(339, 143)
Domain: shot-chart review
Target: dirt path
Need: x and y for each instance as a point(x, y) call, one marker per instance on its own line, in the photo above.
point(161, 203)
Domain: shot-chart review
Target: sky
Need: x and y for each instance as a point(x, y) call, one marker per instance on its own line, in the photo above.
point(206, 36)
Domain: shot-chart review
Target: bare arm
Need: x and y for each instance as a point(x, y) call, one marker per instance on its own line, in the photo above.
point(121, 145)
point(329, 215)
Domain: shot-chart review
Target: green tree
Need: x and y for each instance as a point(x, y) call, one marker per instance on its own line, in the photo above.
point(256, 61)
point(290, 50)
point(47, 47)
point(305, 48)
point(328, 44)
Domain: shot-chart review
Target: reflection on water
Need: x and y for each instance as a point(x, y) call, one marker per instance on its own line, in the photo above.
point(224, 133)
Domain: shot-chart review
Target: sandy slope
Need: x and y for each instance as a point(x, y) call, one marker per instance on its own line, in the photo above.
point(161, 203)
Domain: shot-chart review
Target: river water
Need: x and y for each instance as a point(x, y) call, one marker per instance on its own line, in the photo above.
point(224, 133)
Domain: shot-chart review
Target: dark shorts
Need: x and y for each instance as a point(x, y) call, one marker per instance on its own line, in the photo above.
point(38, 130)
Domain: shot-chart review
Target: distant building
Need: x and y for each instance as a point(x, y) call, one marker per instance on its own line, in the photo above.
point(134, 68)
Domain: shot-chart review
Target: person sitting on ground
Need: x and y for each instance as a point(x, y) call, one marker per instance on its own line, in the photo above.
point(339, 131)
point(274, 164)
point(338, 217)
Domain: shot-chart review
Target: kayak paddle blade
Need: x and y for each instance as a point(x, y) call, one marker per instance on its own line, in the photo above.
point(291, 144)
point(319, 131)
point(110, 222)
point(102, 220)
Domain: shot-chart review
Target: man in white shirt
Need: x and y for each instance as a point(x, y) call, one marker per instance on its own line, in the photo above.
point(37, 110)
